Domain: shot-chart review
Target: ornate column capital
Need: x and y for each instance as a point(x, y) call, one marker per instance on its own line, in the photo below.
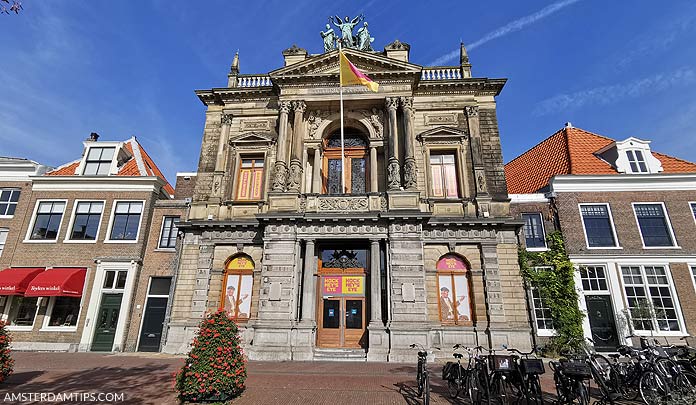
point(472, 110)
point(284, 106)
point(226, 119)
point(299, 106)
point(406, 102)
point(391, 103)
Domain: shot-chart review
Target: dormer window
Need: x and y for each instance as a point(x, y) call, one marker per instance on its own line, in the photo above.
point(98, 162)
point(637, 161)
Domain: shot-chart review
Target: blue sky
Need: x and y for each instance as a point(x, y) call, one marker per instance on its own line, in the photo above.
point(122, 68)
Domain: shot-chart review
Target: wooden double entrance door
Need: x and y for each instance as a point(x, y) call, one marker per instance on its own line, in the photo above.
point(341, 310)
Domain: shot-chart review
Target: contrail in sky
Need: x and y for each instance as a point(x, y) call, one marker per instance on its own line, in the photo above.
point(508, 28)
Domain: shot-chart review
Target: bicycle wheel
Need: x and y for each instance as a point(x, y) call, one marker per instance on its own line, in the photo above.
point(685, 385)
point(534, 394)
point(626, 376)
point(582, 392)
point(653, 388)
point(602, 364)
point(426, 389)
point(453, 387)
point(472, 391)
point(419, 380)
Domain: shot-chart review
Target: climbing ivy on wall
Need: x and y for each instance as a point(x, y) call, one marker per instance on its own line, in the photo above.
point(556, 287)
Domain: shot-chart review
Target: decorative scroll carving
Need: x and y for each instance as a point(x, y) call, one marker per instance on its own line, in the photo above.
point(393, 175)
point(255, 125)
point(295, 178)
point(407, 105)
point(472, 110)
point(341, 204)
point(226, 119)
point(481, 181)
point(315, 119)
point(299, 106)
point(280, 177)
point(410, 173)
point(383, 205)
point(350, 140)
point(284, 107)
point(391, 103)
point(343, 259)
point(440, 119)
point(375, 117)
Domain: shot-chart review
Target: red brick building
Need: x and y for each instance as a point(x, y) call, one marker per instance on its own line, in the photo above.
point(89, 244)
point(627, 214)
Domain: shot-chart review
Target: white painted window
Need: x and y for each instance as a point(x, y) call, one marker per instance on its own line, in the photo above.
point(650, 298)
point(98, 161)
point(86, 220)
point(125, 223)
point(115, 279)
point(655, 229)
point(693, 274)
point(9, 198)
point(169, 231)
point(693, 209)
point(3, 239)
point(594, 278)
point(636, 161)
point(541, 311)
point(46, 223)
point(63, 312)
point(598, 225)
point(534, 235)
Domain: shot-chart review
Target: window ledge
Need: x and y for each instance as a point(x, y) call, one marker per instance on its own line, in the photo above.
point(537, 249)
point(58, 329)
point(20, 328)
point(661, 247)
point(546, 332)
point(79, 241)
point(166, 250)
point(121, 241)
point(604, 248)
point(648, 333)
point(6, 216)
point(40, 241)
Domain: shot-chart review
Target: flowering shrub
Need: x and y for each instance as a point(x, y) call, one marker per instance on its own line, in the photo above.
point(6, 362)
point(215, 368)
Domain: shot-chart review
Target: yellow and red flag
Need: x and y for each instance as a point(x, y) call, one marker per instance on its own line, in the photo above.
point(351, 75)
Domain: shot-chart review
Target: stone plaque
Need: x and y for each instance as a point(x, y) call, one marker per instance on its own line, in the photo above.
point(408, 292)
point(440, 119)
point(255, 125)
point(274, 292)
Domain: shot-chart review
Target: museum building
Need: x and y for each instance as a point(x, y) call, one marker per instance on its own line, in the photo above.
point(419, 245)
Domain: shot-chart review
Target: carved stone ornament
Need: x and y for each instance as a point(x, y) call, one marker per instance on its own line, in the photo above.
point(294, 50)
point(343, 204)
point(472, 111)
point(299, 106)
point(255, 125)
point(284, 106)
point(398, 46)
point(383, 205)
point(481, 181)
point(315, 119)
point(342, 259)
point(295, 178)
point(410, 174)
point(393, 175)
point(440, 119)
point(391, 103)
point(375, 117)
point(226, 119)
point(280, 177)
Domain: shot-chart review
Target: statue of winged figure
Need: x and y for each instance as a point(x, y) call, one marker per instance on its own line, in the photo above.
point(346, 28)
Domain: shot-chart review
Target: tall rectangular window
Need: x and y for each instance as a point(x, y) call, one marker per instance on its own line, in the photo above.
point(3, 239)
point(637, 161)
point(48, 217)
point(98, 162)
point(444, 175)
point(8, 201)
point(534, 230)
point(87, 219)
point(250, 181)
point(541, 311)
point(126, 220)
point(169, 232)
point(653, 224)
point(650, 298)
point(598, 226)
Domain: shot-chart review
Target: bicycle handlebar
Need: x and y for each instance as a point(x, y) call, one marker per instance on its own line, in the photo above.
point(522, 353)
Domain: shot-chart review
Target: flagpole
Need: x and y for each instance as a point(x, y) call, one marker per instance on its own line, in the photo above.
point(340, 90)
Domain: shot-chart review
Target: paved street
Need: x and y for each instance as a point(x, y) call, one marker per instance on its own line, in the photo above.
point(147, 379)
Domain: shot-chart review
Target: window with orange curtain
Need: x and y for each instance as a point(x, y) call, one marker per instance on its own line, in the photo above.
point(444, 175)
point(250, 179)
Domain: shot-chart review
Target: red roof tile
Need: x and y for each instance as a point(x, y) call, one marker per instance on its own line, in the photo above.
point(67, 169)
point(570, 151)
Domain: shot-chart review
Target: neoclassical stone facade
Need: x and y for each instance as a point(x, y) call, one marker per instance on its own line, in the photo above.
point(417, 247)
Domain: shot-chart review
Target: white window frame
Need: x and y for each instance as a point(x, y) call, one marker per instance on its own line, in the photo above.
point(645, 161)
point(543, 231)
point(104, 144)
point(675, 245)
point(17, 203)
point(617, 245)
point(107, 238)
point(539, 332)
point(147, 296)
point(692, 206)
point(27, 237)
point(49, 313)
point(8, 308)
point(68, 233)
point(692, 273)
point(607, 278)
point(159, 238)
point(672, 291)
point(7, 233)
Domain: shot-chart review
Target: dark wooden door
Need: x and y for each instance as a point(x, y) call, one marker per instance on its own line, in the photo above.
point(107, 320)
point(153, 322)
point(602, 325)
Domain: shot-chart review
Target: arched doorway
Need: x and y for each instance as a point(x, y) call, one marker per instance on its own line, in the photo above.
point(356, 167)
point(237, 287)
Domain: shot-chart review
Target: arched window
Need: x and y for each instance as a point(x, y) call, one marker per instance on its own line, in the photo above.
point(356, 162)
point(236, 287)
point(454, 287)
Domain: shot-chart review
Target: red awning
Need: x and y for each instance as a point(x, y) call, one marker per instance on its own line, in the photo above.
point(14, 281)
point(61, 282)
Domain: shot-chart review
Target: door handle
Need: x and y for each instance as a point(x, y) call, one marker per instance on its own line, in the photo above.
point(150, 335)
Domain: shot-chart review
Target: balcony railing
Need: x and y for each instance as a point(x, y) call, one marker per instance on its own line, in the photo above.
point(254, 81)
point(442, 73)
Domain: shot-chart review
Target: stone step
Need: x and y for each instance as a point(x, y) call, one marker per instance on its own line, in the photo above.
point(340, 355)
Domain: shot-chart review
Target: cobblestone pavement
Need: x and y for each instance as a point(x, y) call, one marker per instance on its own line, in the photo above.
point(147, 379)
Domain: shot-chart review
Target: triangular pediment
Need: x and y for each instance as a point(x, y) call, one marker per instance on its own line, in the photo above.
point(253, 138)
point(327, 64)
point(441, 133)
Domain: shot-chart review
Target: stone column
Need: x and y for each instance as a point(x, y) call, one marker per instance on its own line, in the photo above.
point(295, 179)
point(226, 121)
point(472, 115)
point(493, 289)
point(309, 286)
point(316, 172)
point(410, 168)
point(281, 166)
point(373, 169)
point(393, 171)
point(375, 285)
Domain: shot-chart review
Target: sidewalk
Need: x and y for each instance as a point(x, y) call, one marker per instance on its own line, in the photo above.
point(147, 379)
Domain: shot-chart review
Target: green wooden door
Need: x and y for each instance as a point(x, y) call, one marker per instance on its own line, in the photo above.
point(107, 319)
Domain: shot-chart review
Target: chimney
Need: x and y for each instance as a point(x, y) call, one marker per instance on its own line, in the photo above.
point(234, 71)
point(294, 54)
point(93, 137)
point(398, 50)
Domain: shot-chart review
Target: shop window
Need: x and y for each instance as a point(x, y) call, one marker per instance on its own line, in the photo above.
point(64, 311)
point(356, 163)
point(636, 161)
point(594, 278)
point(250, 179)
point(169, 231)
point(654, 225)
point(650, 298)
point(534, 231)
point(47, 221)
point(126, 222)
point(453, 284)
point(443, 175)
point(237, 287)
point(22, 311)
point(598, 225)
point(87, 220)
point(3, 239)
point(8, 201)
point(98, 162)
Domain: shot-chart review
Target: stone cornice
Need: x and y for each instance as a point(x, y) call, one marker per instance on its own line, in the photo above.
point(461, 86)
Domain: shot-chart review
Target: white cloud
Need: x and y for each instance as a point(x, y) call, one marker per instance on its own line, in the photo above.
point(605, 95)
point(507, 29)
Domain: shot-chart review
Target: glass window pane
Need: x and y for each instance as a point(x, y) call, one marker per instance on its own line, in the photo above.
point(122, 208)
point(5, 195)
point(65, 311)
point(533, 230)
point(135, 208)
point(354, 315)
point(45, 207)
point(331, 316)
point(109, 277)
point(121, 280)
point(160, 285)
point(334, 177)
point(357, 176)
point(447, 309)
point(461, 289)
point(22, 311)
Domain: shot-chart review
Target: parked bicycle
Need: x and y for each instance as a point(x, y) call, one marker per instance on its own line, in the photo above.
point(526, 378)
point(472, 381)
point(422, 377)
point(502, 372)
